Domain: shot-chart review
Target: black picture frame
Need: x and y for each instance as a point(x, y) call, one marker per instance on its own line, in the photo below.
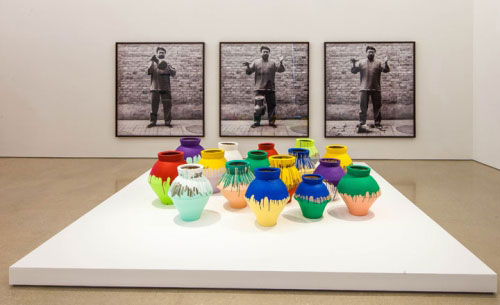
point(221, 91)
point(326, 83)
point(202, 84)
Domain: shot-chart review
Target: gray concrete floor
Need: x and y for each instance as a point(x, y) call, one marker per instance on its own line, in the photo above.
point(39, 197)
point(179, 128)
point(393, 128)
point(292, 128)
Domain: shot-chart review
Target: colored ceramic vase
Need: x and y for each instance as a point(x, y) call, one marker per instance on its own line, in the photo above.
point(190, 191)
point(268, 147)
point(358, 189)
point(267, 195)
point(257, 159)
point(331, 171)
point(338, 152)
point(289, 173)
point(230, 150)
point(234, 182)
point(164, 172)
point(214, 165)
point(308, 144)
point(191, 148)
point(312, 196)
point(302, 160)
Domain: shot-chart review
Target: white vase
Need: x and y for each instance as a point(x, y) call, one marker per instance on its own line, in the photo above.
point(230, 151)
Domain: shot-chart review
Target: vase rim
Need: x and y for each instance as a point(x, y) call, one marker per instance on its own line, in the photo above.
point(257, 154)
point(269, 145)
point(267, 173)
point(237, 164)
point(190, 170)
point(298, 151)
point(171, 156)
point(312, 178)
point(212, 153)
point(336, 148)
point(190, 141)
point(228, 146)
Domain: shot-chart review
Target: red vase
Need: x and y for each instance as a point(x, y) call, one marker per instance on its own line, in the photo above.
point(164, 172)
point(269, 148)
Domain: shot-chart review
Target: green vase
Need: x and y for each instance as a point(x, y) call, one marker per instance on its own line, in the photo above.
point(358, 189)
point(257, 159)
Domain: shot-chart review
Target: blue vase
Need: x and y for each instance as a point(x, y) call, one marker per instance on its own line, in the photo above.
point(267, 195)
point(303, 162)
point(312, 196)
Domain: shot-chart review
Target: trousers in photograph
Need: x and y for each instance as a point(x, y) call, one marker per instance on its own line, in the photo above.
point(166, 100)
point(270, 97)
point(376, 97)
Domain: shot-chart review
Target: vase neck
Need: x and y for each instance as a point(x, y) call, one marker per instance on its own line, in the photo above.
point(299, 153)
point(329, 162)
point(336, 149)
point(190, 171)
point(304, 142)
point(212, 154)
point(228, 146)
point(358, 170)
point(267, 173)
point(171, 156)
point(266, 146)
point(282, 161)
point(237, 167)
point(257, 154)
point(190, 141)
point(312, 179)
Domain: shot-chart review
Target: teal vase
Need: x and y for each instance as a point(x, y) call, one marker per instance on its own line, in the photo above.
point(358, 189)
point(190, 191)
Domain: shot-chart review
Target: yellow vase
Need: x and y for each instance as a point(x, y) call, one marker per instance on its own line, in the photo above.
point(214, 165)
point(290, 175)
point(337, 151)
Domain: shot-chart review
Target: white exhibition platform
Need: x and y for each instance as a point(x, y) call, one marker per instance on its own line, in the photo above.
point(132, 240)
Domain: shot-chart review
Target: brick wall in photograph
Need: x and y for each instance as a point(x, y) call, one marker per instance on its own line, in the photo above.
point(134, 98)
point(342, 87)
point(237, 88)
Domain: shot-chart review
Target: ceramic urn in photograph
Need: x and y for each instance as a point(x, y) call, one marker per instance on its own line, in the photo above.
point(214, 165)
point(257, 159)
point(308, 144)
point(290, 175)
point(234, 182)
point(190, 191)
point(267, 195)
point(302, 160)
point(337, 151)
point(312, 196)
point(358, 189)
point(230, 150)
point(191, 148)
point(164, 172)
point(332, 172)
point(268, 147)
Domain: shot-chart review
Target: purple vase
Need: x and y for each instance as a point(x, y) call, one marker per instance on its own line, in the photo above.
point(332, 172)
point(191, 148)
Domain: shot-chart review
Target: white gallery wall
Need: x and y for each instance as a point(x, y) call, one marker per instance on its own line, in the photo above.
point(57, 68)
point(486, 109)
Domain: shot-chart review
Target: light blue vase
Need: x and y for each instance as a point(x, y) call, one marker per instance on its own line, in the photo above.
point(190, 191)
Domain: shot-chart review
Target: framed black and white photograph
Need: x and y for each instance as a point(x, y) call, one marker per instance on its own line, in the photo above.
point(370, 89)
point(264, 89)
point(159, 89)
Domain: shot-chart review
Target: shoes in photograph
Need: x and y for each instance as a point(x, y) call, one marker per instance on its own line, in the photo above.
point(362, 128)
point(152, 124)
point(273, 125)
point(168, 125)
point(254, 125)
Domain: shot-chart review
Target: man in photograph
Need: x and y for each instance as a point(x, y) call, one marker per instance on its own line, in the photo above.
point(265, 70)
point(160, 71)
point(370, 71)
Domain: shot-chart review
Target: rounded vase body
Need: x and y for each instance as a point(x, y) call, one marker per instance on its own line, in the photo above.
point(234, 182)
point(308, 144)
point(267, 195)
point(190, 191)
point(214, 165)
point(257, 159)
point(230, 150)
point(268, 147)
point(358, 189)
point(289, 173)
point(331, 171)
point(191, 148)
point(338, 152)
point(312, 196)
point(302, 160)
point(164, 172)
